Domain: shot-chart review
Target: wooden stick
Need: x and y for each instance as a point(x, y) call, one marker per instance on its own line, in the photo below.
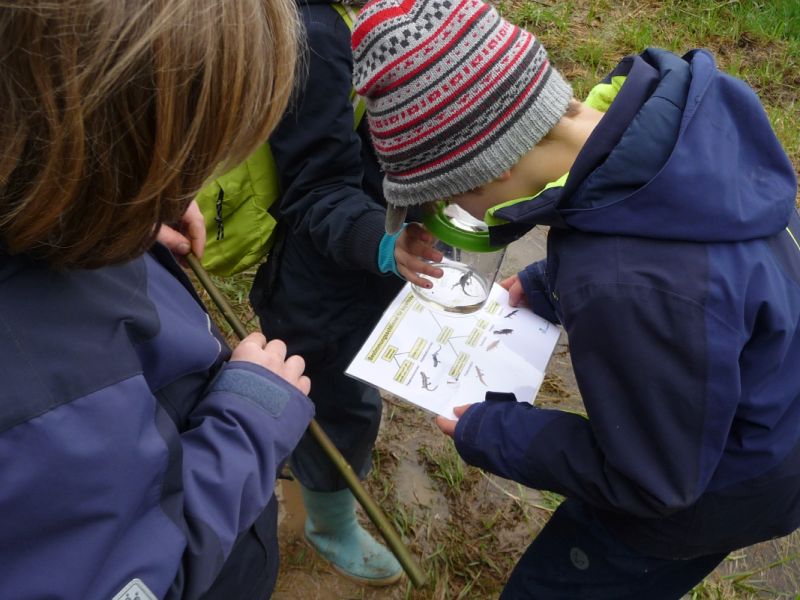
point(372, 509)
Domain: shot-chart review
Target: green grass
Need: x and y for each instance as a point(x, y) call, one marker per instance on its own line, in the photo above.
point(756, 41)
point(744, 583)
point(236, 290)
point(445, 465)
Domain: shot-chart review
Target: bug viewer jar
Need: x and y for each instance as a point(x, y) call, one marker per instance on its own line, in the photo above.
point(470, 263)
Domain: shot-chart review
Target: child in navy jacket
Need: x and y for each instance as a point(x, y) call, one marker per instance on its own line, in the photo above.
point(329, 278)
point(138, 456)
point(673, 265)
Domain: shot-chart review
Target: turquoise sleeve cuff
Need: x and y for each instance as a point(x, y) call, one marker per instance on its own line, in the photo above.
point(386, 261)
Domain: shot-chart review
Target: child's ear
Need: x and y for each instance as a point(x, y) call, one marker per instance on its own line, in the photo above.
point(504, 176)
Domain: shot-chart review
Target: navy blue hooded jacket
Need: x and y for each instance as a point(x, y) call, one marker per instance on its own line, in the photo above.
point(674, 266)
point(120, 459)
point(322, 280)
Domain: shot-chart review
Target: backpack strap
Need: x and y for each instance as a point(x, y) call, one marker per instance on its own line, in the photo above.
point(237, 205)
point(349, 15)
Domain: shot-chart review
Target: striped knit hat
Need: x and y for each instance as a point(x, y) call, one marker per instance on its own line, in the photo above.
point(455, 95)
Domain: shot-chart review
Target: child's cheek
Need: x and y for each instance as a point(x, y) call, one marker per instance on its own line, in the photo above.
point(474, 203)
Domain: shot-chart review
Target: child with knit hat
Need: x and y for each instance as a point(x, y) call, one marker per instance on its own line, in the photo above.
point(673, 266)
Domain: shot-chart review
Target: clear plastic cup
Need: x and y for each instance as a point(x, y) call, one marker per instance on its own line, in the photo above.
point(470, 263)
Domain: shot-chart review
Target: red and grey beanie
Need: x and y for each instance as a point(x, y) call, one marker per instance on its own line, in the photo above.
point(455, 95)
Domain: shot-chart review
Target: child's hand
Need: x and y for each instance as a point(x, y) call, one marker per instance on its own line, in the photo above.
point(413, 245)
point(516, 295)
point(448, 426)
point(255, 349)
point(190, 238)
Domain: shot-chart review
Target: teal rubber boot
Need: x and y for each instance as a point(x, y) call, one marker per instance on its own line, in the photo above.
point(332, 530)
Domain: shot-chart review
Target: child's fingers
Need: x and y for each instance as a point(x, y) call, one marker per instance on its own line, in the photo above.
point(175, 241)
point(257, 338)
point(412, 262)
point(508, 282)
point(448, 426)
point(516, 295)
point(195, 228)
point(424, 268)
point(293, 368)
point(415, 279)
point(460, 410)
point(304, 385)
point(418, 232)
point(429, 253)
point(276, 349)
point(272, 355)
point(292, 371)
point(250, 349)
point(254, 341)
point(412, 270)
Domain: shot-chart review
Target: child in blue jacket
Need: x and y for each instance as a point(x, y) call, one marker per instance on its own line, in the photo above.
point(138, 455)
point(673, 265)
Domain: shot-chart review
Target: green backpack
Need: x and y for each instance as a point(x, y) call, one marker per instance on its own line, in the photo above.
point(236, 206)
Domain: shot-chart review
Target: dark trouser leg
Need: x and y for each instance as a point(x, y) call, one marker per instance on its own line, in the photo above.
point(252, 567)
point(350, 414)
point(575, 557)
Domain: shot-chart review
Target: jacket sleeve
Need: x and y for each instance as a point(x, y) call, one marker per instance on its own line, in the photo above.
point(101, 490)
point(653, 437)
point(239, 436)
point(537, 291)
point(318, 153)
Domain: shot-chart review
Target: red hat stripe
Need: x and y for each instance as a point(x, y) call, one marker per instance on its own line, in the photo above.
point(383, 15)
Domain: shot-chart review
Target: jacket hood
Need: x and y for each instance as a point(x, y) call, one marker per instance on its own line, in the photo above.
point(684, 152)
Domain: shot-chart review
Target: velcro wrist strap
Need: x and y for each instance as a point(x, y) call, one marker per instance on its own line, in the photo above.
point(386, 261)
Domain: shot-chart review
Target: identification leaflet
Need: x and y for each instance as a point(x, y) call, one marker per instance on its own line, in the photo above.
point(439, 360)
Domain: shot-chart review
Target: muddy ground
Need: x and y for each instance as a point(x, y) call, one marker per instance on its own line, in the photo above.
point(467, 528)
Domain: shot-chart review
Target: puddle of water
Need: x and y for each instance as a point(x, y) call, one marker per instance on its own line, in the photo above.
point(496, 488)
point(291, 512)
point(515, 539)
point(414, 488)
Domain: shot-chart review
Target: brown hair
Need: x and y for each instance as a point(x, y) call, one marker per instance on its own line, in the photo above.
point(113, 113)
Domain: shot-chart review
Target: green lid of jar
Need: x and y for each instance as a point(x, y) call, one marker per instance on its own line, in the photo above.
point(459, 229)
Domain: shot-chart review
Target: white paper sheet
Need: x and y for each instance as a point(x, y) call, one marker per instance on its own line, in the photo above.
point(440, 360)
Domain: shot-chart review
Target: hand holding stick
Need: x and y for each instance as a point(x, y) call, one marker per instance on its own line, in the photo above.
point(374, 512)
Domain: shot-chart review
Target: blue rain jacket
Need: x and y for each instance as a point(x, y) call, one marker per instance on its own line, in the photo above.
point(674, 266)
point(120, 458)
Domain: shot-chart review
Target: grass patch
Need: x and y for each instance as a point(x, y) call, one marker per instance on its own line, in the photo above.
point(445, 465)
point(236, 289)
